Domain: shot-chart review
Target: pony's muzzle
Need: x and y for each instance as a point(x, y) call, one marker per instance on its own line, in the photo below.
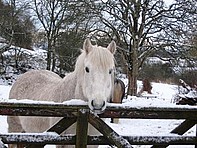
point(97, 108)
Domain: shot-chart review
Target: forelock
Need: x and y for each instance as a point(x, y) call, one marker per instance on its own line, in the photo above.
point(101, 57)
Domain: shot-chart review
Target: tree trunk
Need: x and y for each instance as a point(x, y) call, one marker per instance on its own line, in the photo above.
point(133, 69)
point(134, 77)
point(2, 59)
point(16, 59)
point(132, 84)
point(53, 62)
point(49, 55)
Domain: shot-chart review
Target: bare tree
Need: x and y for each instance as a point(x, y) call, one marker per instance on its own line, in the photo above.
point(15, 26)
point(146, 27)
point(57, 17)
point(51, 15)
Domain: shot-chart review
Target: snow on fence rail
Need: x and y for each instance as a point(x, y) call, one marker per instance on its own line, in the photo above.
point(80, 114)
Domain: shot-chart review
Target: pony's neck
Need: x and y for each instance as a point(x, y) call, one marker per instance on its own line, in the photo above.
point(79, 66)
point(79, 73)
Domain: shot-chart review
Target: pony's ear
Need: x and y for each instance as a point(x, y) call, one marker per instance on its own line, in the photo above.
point(112, 47)
point(87, 45)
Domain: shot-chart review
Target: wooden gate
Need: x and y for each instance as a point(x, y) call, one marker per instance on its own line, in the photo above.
point(82, 116)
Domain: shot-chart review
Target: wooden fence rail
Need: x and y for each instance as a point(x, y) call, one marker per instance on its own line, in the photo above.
point(82, 115)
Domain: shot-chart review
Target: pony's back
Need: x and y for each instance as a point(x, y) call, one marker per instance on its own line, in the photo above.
point(32, 83)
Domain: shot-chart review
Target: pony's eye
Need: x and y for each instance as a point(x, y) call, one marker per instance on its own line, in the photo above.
point(110, 71)
point(87, 69)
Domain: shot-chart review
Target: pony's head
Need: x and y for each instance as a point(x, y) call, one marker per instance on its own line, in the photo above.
point(98, 71)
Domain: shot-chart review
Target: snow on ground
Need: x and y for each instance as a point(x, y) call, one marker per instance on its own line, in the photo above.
point(164, 93)
point(4, 92)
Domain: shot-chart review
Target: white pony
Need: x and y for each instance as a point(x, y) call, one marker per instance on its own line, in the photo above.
point(92, 81)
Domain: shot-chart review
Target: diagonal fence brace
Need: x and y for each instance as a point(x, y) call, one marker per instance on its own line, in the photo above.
point(180, 130)
point(108, 132)
point(58, 127)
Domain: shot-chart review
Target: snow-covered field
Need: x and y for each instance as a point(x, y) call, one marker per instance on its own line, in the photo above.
point(4, 92)
point(164, 93)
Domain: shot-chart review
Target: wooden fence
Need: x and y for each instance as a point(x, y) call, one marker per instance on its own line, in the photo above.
point(82, 116)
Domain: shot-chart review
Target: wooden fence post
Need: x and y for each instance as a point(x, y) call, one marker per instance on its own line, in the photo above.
point(82, 128)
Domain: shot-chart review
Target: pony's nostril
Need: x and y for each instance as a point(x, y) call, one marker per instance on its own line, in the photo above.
point(103, 104)
point(92, 103)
